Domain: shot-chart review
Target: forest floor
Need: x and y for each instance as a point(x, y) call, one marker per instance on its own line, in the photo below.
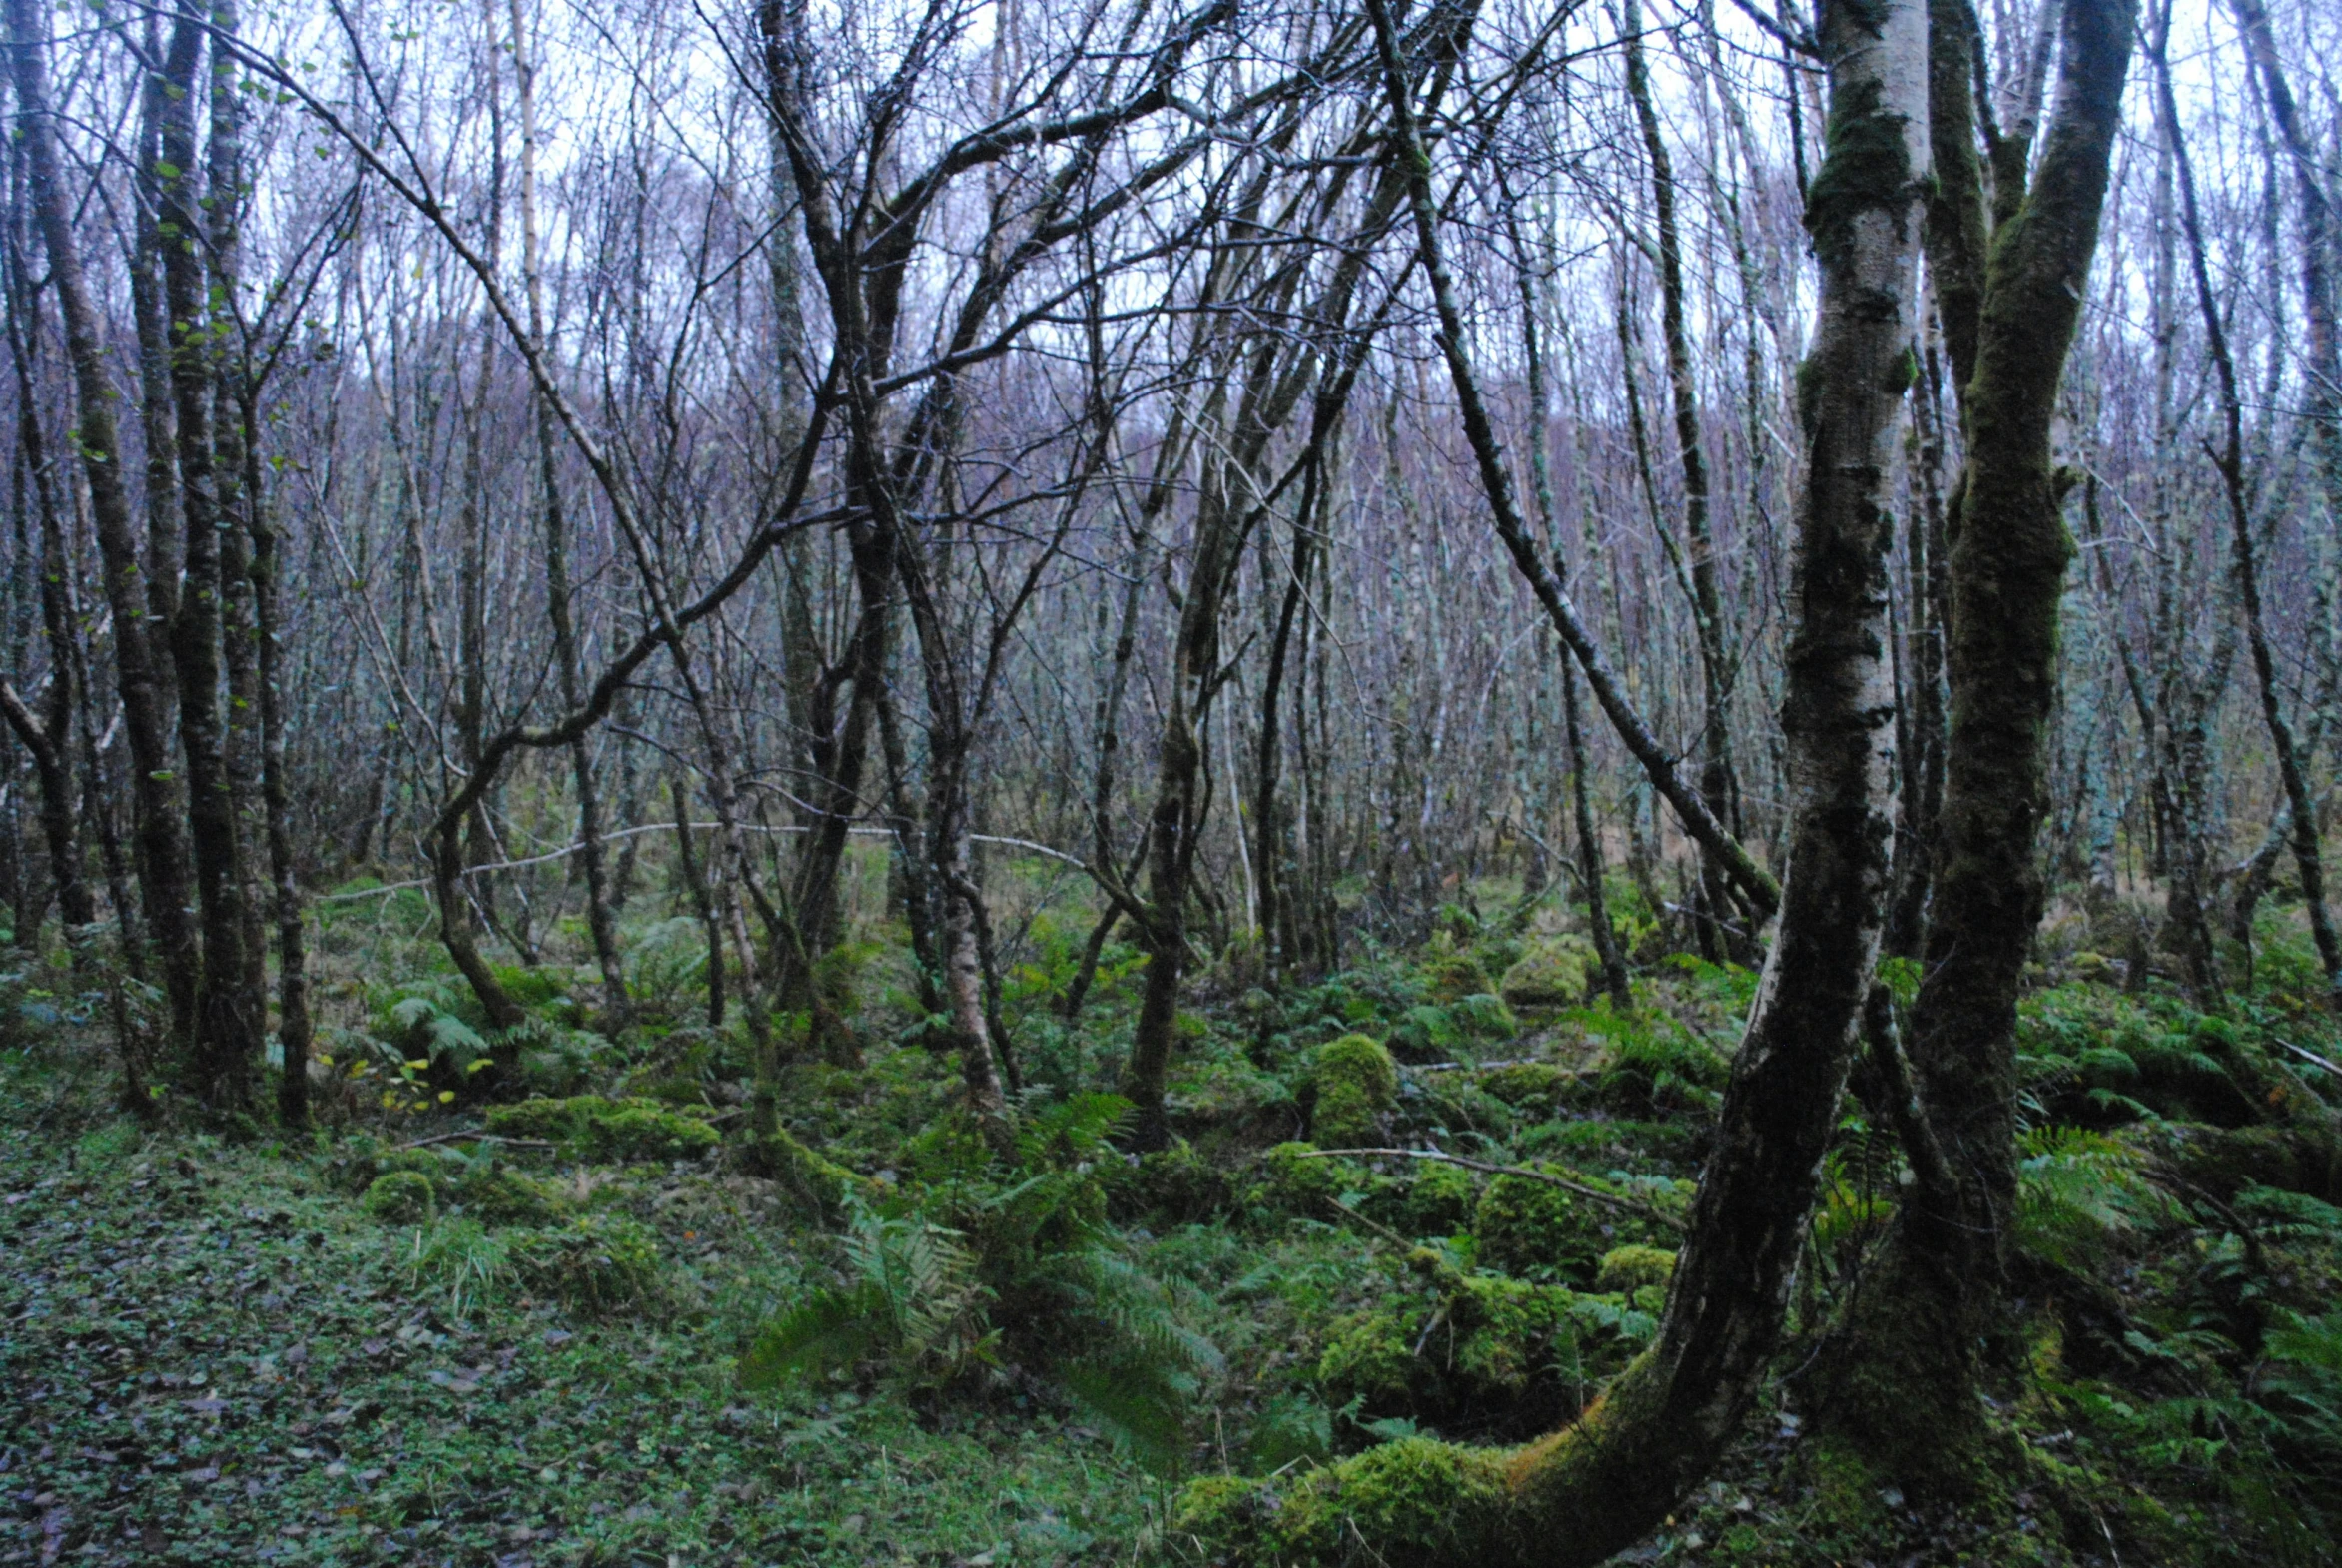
point(396, 1342)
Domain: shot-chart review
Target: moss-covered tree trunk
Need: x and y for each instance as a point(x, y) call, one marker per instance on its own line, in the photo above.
point(1583, 1493)
point(1907, 1391)
point(145, 705)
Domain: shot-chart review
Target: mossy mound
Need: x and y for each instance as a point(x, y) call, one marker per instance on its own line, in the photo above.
point(1174, 1185)
point(1452, 977)
point(502, 1196)
point(1438, 1201)
point(1481, 1355)
point(818, 1184)
point(600, 1265)
point(1305, 1188)
point(1536, 1089)
point(1530, 1227)
point(400, 1198)
point(606, 1131)
point(1357, 1085)
point(1553, 973)
point(1633, 1267)
point(1419, 1502)
point(2226, 1161)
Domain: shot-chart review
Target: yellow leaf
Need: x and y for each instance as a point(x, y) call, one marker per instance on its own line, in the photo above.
point(446, 1096)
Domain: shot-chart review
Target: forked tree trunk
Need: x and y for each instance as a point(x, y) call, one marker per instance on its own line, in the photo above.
point(1592, 1488)
point(1903, 1388)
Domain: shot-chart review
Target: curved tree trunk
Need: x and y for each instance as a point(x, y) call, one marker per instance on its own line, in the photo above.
point(1587, 1491)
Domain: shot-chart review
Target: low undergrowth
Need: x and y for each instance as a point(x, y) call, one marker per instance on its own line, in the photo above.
point(638, 1311)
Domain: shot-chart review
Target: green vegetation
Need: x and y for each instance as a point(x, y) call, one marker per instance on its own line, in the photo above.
point(648, 1318)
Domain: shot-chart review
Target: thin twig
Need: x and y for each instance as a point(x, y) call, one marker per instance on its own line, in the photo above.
point(462, 1134)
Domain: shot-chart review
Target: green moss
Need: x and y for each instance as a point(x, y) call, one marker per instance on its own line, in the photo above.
point(1486, 1016)
point(1523, 1225)
point(590, 1127)
point(1535, 1089)
point(402, 1197)
point(1306, 1188)
point(1452, 977)
point(1369, 1358)
point(1866, 168)
point(1632, 1268)
point(1438, 1201)
point(1176, 1186)
point(1358, 1082)
point(505, 1197)
point(1554, 973)
point(601, 1265)
point(1416, 1501)
point(818, 1184)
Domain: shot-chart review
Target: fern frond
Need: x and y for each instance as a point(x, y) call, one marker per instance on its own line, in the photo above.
point(827, 1332)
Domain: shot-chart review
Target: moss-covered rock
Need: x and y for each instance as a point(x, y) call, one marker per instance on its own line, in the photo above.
point(400, 1198)
point(1429, 1034)
point(500, 1196)
point(1552, 973)
point(1452, 977)
point(818, 1184)
point(616, 1132)
point(2225, 1161)
point(1484, 1016)
point(1294, 1185)
point(1479, 1353)
point(1357, 1085)
point(599, 1264)
point(1438, 1201)
point(1629, 1269)
point(1536, 1089)
point(1174, 1185)
point(1526, 1226)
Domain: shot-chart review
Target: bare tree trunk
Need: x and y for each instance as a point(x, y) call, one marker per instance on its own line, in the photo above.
point(294, 1028)
point(1716, 777)
point(565, 655)
point(2324, 357)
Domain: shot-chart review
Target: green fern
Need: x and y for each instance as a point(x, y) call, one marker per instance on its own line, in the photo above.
point(2080, 1194)
point(911, 1306)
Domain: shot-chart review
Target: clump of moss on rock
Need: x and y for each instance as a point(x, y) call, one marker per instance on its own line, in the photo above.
point(601, 1265)
point(1553, 973)
point(1176, 1185)
point(1452, 977)
point(1537, 1090)
point(1438, 1201)
point(1296, 1184)
point(1630, 1269)
point(1480, 1352)
point(1358, 1084)
point(500, 1196)
point(400, 1198)
point(1526, 1226)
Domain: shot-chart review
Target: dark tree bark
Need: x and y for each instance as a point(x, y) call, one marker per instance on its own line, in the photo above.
point(162, 847)
point(1907, 1385)
point(1594, 1487)
point(229, 1024)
